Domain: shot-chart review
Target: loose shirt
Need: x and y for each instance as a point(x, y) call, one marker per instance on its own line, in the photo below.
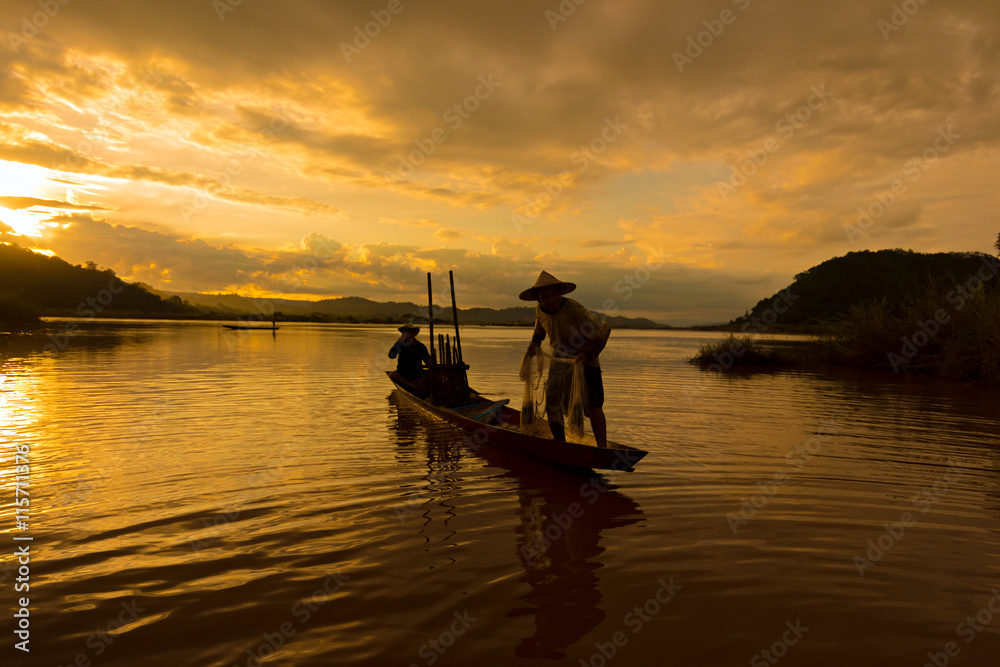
point(572, 329)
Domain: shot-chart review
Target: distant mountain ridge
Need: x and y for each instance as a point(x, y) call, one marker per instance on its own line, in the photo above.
point(33, 284)
point(362, 308)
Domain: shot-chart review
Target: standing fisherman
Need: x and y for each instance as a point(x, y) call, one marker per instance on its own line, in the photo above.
point(574, 333)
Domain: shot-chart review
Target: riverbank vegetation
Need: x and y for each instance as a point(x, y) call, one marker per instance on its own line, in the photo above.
point(934, 315)
point(953, 333)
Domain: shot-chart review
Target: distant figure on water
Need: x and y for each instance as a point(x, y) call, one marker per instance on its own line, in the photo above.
point(412, 355)
point(574, 333)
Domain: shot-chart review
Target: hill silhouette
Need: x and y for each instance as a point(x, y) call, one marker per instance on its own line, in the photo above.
point(827, 292)
point(32, 284)
point(360, 309)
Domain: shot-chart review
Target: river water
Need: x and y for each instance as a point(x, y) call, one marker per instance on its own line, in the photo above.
point(200, 496)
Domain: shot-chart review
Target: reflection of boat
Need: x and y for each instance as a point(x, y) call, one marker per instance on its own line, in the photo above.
point(562, 524)
point(499, 424)
point(563, 519)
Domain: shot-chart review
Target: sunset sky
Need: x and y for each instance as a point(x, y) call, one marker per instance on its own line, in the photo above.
point(707, 150)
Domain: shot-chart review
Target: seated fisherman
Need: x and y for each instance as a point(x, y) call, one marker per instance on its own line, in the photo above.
point(574, 333)
point(410, 372)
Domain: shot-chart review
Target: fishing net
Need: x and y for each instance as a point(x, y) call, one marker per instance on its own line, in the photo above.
point(533, 420)
point(558, 395)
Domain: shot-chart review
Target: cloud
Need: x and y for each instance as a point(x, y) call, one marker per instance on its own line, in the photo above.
point(320, 245)
point(807, 112)
point(322, 267)
point(448, 234)
point(19, 203)
point(426, 223)
point(598, 243)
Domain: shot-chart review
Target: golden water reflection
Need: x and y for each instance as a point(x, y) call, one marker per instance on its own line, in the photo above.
point(562, 518)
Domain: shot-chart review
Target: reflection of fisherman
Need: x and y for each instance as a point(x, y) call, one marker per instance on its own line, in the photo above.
point(412, 353)
point(574, 332)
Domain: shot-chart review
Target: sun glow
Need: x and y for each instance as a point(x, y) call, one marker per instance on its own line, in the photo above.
point(23, 180)
point(24, 222)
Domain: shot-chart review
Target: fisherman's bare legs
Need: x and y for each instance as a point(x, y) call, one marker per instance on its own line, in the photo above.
point(558, 430)
point(599, 424)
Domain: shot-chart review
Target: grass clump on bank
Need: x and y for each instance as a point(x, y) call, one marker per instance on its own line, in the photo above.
point(736, 353)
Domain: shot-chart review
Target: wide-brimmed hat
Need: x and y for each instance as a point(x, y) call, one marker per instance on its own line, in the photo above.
point(409, 327)
point(546, 279)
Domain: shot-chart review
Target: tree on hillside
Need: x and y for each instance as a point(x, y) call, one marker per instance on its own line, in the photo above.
point(997, 246)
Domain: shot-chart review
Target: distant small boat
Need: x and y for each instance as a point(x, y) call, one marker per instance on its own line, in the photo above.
point(245, 328)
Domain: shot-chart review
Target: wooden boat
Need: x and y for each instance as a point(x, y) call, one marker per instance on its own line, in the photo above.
point(453, 401)
point(496, 423)
point(244, 328)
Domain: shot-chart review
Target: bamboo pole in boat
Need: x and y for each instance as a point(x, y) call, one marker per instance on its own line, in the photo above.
point(454, 316)
point(430, 315)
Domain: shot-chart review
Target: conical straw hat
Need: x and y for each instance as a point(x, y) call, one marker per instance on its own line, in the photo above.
point(546, 279)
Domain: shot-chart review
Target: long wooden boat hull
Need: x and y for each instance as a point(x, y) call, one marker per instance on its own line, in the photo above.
point(613, 457)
